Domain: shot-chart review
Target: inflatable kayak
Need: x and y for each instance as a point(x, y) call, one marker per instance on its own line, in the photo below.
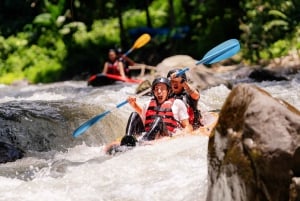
point(210, 120)
point(108, 79)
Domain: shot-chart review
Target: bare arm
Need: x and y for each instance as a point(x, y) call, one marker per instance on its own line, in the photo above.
point(127, 59)
point(105, 68)
point(121, 69)
point(132, 101)
point(186, 125)
point(192, 92)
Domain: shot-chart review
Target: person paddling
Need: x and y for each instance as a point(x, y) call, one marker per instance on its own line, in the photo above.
point(126, 61)
point(161, 116)
point(114, 65)
point(183, 91)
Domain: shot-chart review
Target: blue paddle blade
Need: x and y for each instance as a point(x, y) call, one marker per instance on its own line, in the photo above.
point(223, 51)
point(81, 129)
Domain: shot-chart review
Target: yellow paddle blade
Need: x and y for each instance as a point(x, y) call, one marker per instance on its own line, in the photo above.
point(141, 41)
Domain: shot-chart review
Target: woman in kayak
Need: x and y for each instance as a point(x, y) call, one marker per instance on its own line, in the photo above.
point(160, 116)
point(126, 61)
point(183, 91)
point(114, 65)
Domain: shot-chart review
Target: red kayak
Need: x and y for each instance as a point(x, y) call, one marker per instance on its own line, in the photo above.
point(107, 79)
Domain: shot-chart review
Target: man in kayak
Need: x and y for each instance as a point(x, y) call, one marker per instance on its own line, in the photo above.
point(161, 116)
point(183, 91)
point(114, 65)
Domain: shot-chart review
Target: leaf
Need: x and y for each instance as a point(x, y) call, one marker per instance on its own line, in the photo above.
point(277, 13)
point(275, 23)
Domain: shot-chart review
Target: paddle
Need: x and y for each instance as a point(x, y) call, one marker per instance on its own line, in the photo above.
point(81, 129)
point(141, 41)
point(220, 52)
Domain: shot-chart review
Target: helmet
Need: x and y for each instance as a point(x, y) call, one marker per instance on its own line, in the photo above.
point(174, 71)
point(161, 80)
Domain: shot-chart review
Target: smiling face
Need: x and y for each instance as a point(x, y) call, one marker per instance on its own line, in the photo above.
point(176, 85)
point(160, 92)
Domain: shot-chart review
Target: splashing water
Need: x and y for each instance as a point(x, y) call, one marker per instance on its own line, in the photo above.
point(168, 170)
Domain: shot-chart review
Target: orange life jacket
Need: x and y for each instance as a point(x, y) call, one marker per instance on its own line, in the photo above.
point(165, 111)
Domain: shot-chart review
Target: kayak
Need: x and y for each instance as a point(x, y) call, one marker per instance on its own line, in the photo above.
point(210, 120)
point(108, 79)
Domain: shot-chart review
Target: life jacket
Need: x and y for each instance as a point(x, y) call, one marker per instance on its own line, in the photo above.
point(194, 113)
point(113, 68)
point(165, 111)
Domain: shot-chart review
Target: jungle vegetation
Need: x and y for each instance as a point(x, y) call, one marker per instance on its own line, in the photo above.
point(54, 40)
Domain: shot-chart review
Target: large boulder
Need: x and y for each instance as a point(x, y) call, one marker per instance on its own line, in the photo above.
point(255, 152)
point(200, 76)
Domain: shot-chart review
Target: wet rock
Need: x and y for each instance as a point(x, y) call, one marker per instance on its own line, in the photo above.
point(44, 126)
point(260, 75)
point(143, 86)
point(199, 76)
point(253, 154)
point(9, 153)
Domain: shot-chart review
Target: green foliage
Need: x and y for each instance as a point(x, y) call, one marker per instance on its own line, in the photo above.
point(35, 63)
point(277, 49)
point(267, 28)
point(44, 19)
point(55, 40)
point(105, 32)
point(134, 18)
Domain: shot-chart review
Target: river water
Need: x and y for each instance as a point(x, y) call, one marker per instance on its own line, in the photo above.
point(169, 170)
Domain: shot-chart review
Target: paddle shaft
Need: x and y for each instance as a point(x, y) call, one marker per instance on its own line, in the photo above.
point(81, 129)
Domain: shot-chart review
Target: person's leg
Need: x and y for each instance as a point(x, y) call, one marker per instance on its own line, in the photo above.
point(134, 127)
point(157, 127)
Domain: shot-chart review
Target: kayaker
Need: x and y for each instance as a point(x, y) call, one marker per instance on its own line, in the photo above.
point(113, 65)
point(183, 91)
point(160, 116)
point(126, 61)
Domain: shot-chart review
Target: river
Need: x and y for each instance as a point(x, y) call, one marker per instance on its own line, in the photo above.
point(78, 169)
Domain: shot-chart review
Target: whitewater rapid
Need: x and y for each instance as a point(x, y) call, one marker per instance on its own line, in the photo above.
point(169, 170)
